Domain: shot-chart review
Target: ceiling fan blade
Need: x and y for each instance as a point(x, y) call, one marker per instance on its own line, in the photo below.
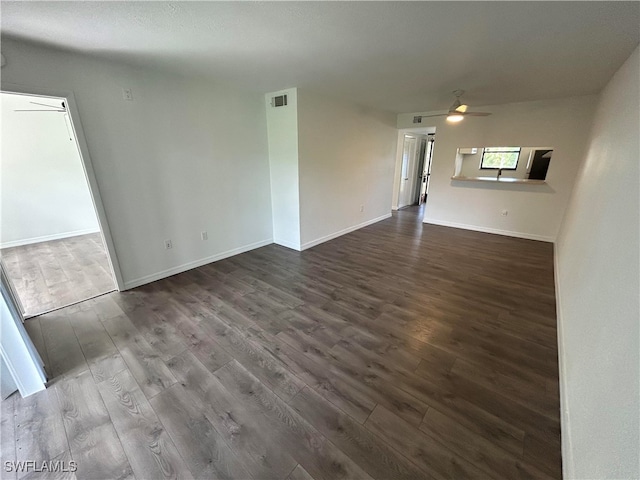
point(462, 108)
point(45, 105)
point(475, 114)
point(35, 110)
point(434, 115)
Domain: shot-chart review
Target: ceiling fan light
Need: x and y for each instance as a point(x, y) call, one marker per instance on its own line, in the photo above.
point(453, 118)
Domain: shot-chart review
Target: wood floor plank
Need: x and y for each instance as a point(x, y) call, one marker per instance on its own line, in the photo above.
point(60, 467)
point(8, 434)
point(513, 387)
point(299, 473)
point(148, 447)
point(349, 384)
point(545, 452)
point(158, 330)
point(95, 342)
point(143, 361)
point(257, 359)
point(251, 443)
point(92, 439)
point(307, 445)
point(64, 352)
point(147, 366)
point(203, 449)
point(107, 366)
point(423, 450)
point(342, 390)
point(39, 431)
point(105, 307)
point(82, 408)
point(101, 456)
point(205, 348)
point(379, 460)
point(475, 448)
point(439, 396)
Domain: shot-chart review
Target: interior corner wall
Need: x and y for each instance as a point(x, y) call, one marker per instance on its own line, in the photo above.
point(597, 276)
point(186, 155)
point(282, 126)
point(44, 194)
point(346, 163)
point(534, 211)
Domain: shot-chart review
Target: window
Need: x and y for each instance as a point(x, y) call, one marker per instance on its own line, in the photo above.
point(500, 157)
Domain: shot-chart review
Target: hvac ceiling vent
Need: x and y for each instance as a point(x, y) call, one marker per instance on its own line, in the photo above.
point(417, 119)
point(279, 101)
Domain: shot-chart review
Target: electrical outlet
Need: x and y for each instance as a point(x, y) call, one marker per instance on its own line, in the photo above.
point(362, 208)
point(168, 244)
point(504, 213)
point(127, 94)
point(204, 235)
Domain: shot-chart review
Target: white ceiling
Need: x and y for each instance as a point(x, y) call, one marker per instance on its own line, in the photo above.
point(395, 56)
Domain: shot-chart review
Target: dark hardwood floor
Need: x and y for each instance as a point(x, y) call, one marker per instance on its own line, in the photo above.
point(399, 351)
point(58, 273)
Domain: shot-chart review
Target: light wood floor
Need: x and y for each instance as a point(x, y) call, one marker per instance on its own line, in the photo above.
point(54, 274)
point(399, 351)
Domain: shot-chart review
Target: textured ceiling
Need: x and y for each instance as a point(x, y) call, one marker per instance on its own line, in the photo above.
point(395, 56)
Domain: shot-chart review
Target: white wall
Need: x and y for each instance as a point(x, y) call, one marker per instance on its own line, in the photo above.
point(186, 155)
point(43, 190)
point(534, 211)
point(346, 160)
point(282, 125)
point(597, 274)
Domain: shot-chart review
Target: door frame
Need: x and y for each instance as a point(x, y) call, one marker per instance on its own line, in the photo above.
point(85, 158)
point(428, 160)
point(18, 352)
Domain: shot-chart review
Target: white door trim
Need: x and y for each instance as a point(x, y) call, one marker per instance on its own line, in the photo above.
point(16, 348)
point(76, 125)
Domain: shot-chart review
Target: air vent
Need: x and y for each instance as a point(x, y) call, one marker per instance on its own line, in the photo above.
point(417, 119)
point(279, 101)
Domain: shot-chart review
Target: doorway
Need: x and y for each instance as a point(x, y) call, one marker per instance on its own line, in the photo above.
point(425, 168)
point(53, 246)
point(408, 172)
point(413, 167)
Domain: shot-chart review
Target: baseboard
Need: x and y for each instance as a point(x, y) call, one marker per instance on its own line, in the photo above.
point(476, 228)
point(195, 264)
point(284, 243)
point(331, 236)
point(48, 238)
point(565, 431)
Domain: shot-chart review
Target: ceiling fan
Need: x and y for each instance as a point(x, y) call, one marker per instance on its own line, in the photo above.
point(50, 108)
point(457, 111)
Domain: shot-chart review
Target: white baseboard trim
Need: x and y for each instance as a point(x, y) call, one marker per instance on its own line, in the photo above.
point(508, 233)
point(47, 238)
point(567, 457)
point(331, 236)
point(291, 245)
point(136, 282)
